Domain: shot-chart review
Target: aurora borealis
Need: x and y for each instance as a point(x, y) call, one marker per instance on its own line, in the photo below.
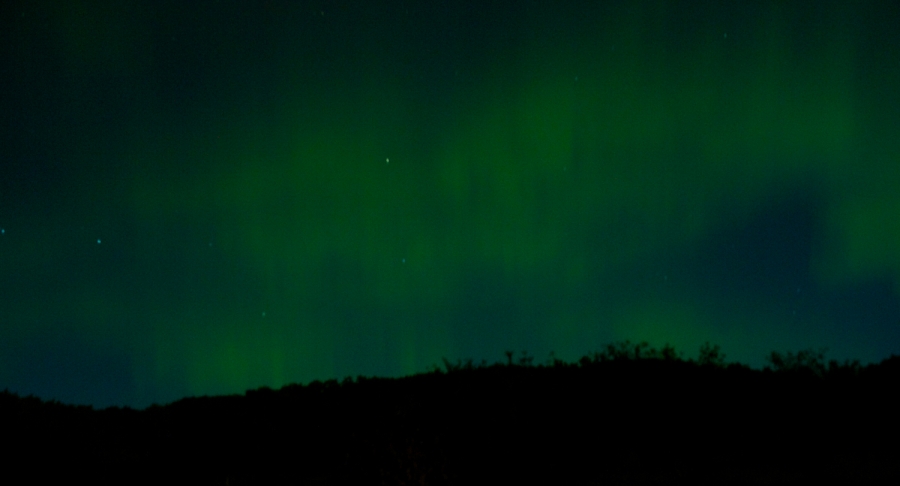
point(205, 197)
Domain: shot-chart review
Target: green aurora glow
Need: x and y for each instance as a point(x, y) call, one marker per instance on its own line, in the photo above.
point(289, 191)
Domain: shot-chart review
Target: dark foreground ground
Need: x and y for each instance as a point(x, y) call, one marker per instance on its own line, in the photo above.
point(615, 418)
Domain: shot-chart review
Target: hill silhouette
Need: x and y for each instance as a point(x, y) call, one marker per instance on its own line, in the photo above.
point(628, 414)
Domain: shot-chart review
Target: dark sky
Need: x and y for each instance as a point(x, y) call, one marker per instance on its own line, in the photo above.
point(206, 197)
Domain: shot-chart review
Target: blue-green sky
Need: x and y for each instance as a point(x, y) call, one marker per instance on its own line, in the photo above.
point(206, 197)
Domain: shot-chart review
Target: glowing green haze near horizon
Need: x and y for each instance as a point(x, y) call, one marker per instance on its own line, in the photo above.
point(204, 198)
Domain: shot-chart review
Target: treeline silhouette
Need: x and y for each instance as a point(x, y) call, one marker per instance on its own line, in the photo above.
point(627, 414)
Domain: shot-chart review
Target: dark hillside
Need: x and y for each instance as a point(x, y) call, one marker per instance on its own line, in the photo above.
point(617, 417)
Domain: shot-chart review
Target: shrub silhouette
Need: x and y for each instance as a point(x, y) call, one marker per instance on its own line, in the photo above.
point(628, 351)
point(525, 359)
point(668, 353)
point(806, 361)
point(711, 355)
point(555, 362)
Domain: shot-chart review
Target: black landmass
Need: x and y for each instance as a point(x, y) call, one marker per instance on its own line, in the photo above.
point(629, 414)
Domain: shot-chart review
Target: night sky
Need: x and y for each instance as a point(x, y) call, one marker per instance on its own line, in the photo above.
point(207, 197)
